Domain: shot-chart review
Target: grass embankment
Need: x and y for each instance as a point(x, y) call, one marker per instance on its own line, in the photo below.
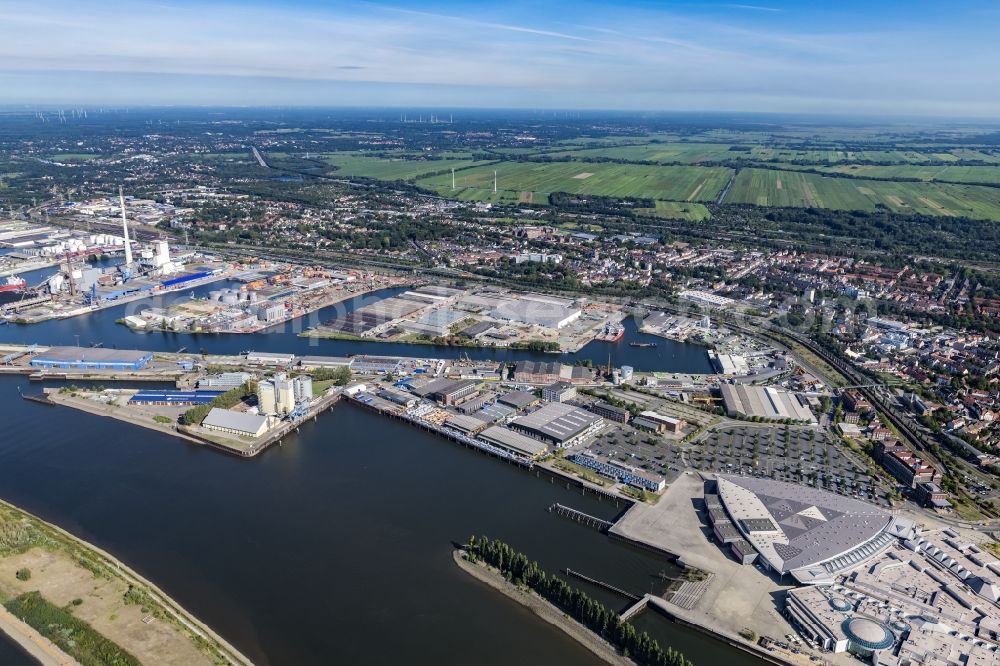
point(92, 606)
point(73, 636)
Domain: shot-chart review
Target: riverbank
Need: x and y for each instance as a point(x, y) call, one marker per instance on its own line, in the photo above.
point(38, 647)
point(96, 588)
point(543, 609)
point(233, 445)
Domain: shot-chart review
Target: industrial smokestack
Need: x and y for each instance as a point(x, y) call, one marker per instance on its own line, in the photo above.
point(128, 243)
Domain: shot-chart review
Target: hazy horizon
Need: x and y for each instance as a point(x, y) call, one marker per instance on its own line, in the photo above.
point(912, 59)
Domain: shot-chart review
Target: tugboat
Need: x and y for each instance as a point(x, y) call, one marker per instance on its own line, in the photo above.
point(611, 333)
point(642, 344)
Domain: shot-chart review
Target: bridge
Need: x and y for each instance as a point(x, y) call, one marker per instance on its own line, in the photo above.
point(635, 598)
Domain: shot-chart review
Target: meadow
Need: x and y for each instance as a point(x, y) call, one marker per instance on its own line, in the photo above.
point(346, 164)
point(674, 210)
point(766, 187)
point(671, 183)
point(945, 174)
point(695, 153)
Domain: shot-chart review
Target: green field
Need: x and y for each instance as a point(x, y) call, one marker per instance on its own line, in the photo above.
point(674, 210)
point(686, 153)
point(765, 187)
point(671, 183)
point(953, 174)
point(74, 157)
point(391, 169)
point(696, 153)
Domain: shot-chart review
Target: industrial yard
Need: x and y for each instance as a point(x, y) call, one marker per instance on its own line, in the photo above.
point(480, 317)
point(270, 295)
point(93, 270)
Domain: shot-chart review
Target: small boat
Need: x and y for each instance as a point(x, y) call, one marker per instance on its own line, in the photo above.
point(642, 344)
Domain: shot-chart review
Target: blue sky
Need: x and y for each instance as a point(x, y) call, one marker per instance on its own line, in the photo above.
point(843, 57)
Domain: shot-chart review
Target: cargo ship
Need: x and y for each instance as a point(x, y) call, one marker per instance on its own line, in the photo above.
point(611, 333)
point(13, 283)
point(642, 344)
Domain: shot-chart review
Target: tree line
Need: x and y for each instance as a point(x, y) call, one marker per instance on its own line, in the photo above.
point(230, 398)
point(516, 568)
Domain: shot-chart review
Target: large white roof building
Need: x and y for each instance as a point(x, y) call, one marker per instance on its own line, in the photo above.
point(808, 533)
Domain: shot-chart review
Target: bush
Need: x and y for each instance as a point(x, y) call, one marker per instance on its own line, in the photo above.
point(23, 574)
point(74, 636)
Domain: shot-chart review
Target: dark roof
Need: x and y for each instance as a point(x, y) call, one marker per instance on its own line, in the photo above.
point(518, 399)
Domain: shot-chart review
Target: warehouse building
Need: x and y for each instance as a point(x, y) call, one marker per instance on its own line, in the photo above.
point(315, 362)
point(538, 311)
point(558, 424)
point(549, 372)
point(513, 442)
point(447, 391)
point(518, 400)
point(224, 380)
point(243, 424)
point(655, 422)
point(610, 412)
point(173, 398)
point(268, 358)
point(766, 402)
point(91, 358)
point(467, 425)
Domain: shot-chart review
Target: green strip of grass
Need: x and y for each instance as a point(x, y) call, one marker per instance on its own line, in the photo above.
point(73, 636)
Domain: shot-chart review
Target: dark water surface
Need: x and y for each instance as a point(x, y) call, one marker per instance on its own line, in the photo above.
point(334, 548)
point(11, 653)
point(101, 327)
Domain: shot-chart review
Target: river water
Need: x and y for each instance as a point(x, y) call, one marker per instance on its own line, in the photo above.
point(11, 654)
point(335, 547)
point(101, 327)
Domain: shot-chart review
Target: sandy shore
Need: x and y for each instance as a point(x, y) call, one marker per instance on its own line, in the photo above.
point(544, 610)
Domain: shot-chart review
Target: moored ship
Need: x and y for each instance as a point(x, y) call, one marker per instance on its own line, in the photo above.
point(13, 283)
point(611, 333)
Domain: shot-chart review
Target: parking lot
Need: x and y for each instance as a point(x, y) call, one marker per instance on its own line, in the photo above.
point(648, 451)
point(785, 453)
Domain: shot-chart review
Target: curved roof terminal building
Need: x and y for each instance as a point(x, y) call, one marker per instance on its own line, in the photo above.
point(811, 534)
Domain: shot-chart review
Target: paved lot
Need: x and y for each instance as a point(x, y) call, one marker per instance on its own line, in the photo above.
point(736, 596)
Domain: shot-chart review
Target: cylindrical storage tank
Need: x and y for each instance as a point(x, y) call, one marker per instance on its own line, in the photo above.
point(627, 371)
point(230, 298)
point(215, 294)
